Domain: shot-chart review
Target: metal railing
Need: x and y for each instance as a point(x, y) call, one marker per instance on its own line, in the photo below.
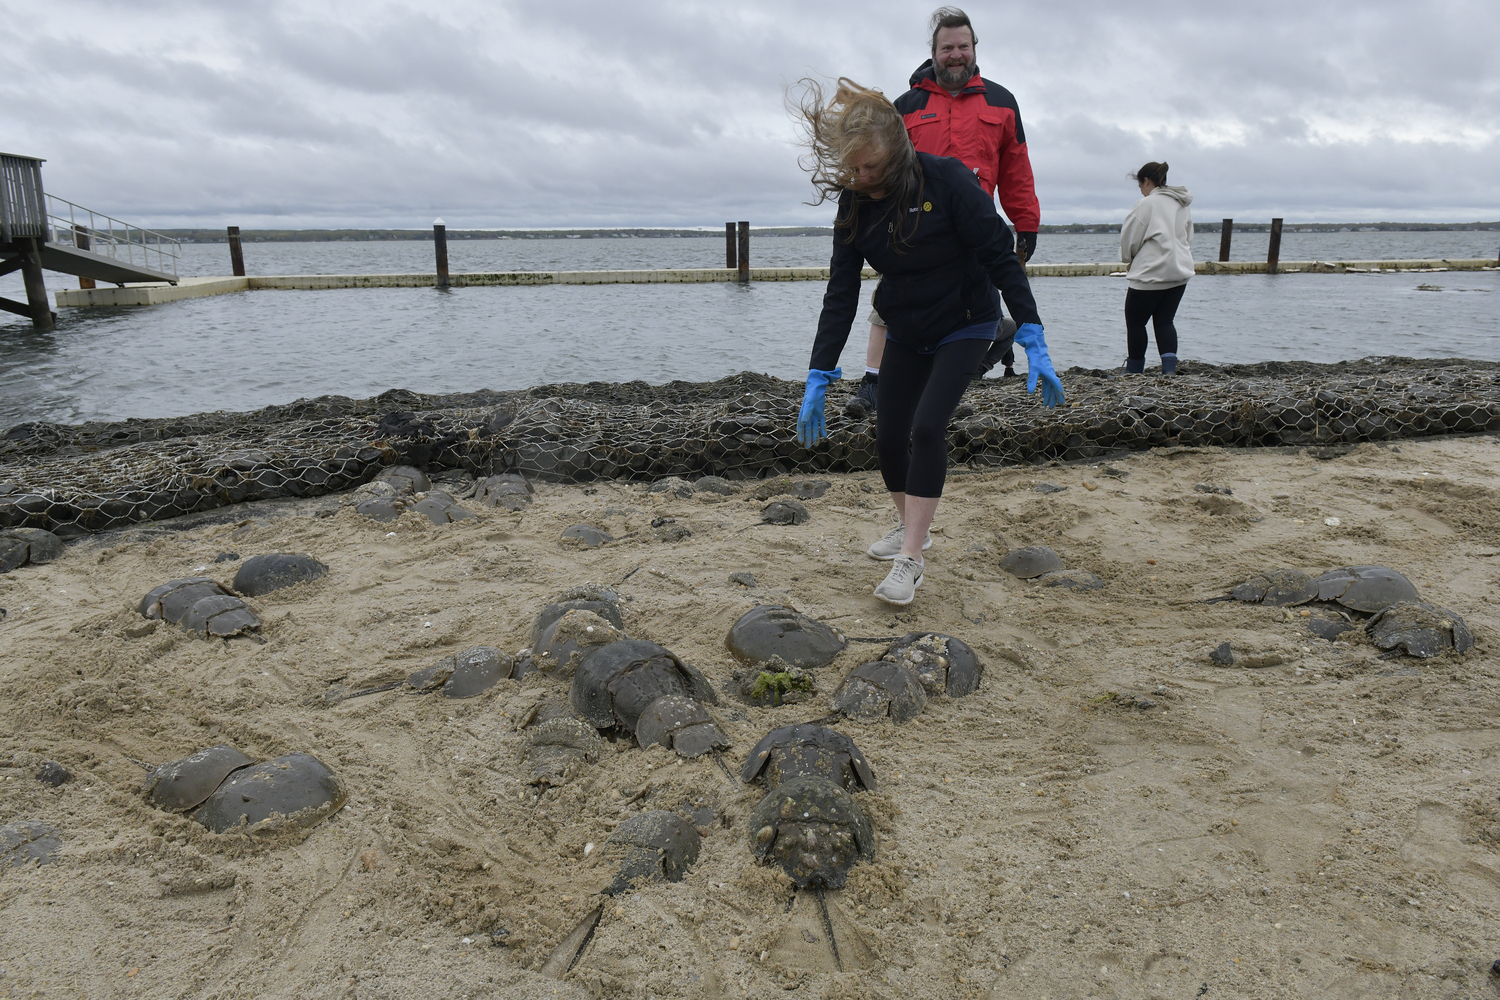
point(109, 237)
point(20, 197)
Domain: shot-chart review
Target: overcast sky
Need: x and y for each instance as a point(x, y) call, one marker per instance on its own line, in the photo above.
point(603, 112)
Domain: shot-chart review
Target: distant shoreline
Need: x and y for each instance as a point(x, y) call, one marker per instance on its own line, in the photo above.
point(372, 235)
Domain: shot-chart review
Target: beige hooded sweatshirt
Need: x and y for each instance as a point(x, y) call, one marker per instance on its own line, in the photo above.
point(1156, 239)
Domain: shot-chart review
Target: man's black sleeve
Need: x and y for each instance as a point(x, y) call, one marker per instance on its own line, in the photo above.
point(981, 229)
point(840, 302)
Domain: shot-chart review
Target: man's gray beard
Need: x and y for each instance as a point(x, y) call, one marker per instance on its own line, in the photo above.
point(954, 77)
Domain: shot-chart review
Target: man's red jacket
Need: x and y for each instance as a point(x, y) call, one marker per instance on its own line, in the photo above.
point(980, 126)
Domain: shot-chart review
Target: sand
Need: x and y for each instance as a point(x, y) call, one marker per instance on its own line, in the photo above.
point(1110, 814)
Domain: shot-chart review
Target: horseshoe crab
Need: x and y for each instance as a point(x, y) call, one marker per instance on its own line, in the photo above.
point(19, 546)
point(813, 829)
point(1032, 561)
point(808, 749)
point(585, 536)
point(201, 606)
point(509, 490)
point(1365, 588)
point(680, 724)
point(879, 689)
point(614, 684)
point(262, 574)
point(405, 479)
point(1073, 579)
point(294, 790)
point(1277, 588)
point(651, 846)
point(785, 512)
point(382, 508)
point(180, 785)
point(1420, 629)
point(440, 508)
point(770, 632)
point(26, 841)
point(940, 662)
point(563, 644)
point(558, 744)
point(466, 674)
point(600, 600)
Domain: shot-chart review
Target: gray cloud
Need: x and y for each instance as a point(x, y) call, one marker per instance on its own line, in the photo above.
point(593, 113)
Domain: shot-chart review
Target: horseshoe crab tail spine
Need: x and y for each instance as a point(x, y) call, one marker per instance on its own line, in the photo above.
point(571, 948)
point(719, 757)
point(833, 942)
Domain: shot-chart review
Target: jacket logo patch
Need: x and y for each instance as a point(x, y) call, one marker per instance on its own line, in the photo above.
point(926, 206)
point(927, 116)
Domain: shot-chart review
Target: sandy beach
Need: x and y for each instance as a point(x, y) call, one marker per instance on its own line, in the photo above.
point(1111, 814)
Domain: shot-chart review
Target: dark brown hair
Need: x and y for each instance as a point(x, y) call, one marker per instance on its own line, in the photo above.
point(950, 17)
point(1154, 172)
point(856, 118)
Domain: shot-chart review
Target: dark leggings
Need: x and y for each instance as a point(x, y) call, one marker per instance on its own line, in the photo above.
point(914, 401)
point(1160, 307)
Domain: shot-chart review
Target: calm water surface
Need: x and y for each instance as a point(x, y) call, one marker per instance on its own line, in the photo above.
point(248, 350)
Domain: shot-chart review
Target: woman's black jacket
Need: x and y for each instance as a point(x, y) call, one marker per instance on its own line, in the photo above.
point(941, 279)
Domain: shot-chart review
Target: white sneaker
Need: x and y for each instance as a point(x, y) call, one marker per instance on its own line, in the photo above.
point(901, 583)
point(889, 547)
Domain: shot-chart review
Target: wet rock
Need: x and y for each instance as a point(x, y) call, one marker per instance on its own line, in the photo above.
point(1223, 655)
point(508, 491)
point(564, 643)
point(785, 512)
point(743, 578)
point(680, 724)
point(942, 663)
point(1073, 579)
point(586, 536)
point(652, 846)
point(22, 546)
point(774, 632)
point(180, 785)
point(1277, 588)
point(466, 674)
point(264, 573)
point(294, 790)
point(808, 750)
point(1365, 588)
point(54, 774)
point(813, 829)
point(1030, 562)
point(1420, 629)
point(405, 479)
point(440, 508)
point(26, 841)
point(878, 690)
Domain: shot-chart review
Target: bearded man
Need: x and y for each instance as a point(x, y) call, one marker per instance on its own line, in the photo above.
point(951, 110)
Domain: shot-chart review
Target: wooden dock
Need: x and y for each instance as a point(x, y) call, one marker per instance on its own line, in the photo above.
point(192, 288)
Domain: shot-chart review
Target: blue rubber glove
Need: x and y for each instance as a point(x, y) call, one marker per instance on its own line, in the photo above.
point(811, 427)
point(1039, 365)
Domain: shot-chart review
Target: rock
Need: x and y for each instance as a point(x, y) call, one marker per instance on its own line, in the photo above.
point(1223, 655)
point(274, 570)
point(1030, 562)
point(52, 773)
point(226, 557)
point(22, 546)
point(785, 512)
point(1073, 579)
point(586, 536)
point(743, 578)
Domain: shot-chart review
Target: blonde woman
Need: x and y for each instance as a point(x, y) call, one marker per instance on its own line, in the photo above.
point(932, 232)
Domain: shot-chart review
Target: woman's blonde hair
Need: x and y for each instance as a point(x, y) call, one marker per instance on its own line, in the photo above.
point(833, 130)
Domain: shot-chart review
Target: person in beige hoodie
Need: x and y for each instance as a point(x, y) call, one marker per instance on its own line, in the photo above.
point(1156, 239)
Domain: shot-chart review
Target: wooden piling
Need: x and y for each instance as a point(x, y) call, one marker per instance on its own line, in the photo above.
point(236, 252)
point(42, 316)
point(1273, 254)
point(731, 261)
point(744, 252)
point(440, 247)
point(81, 241)
point(1226, 230)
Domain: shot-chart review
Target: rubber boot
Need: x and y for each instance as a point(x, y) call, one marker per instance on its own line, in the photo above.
point(1135, 366)
point(1169, 364)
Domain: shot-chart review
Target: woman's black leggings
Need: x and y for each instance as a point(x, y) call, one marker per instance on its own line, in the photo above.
point(1160, 307)
point(914, 401)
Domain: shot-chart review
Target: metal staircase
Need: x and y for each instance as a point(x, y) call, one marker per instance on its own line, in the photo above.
point(40, 232)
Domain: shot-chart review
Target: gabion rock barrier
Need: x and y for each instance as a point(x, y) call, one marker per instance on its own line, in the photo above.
point(90, 477)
